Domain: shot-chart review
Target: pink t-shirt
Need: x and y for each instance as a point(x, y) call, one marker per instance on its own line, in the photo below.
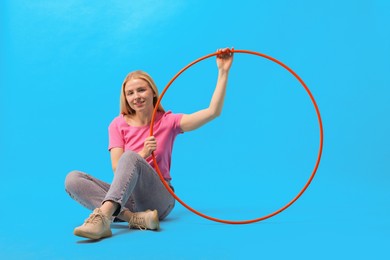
point(166, 128)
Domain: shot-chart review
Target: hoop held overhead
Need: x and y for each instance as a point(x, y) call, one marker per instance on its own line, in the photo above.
point(319, 150)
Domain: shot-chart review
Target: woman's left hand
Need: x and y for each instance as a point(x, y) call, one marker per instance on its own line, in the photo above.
point(224, 59)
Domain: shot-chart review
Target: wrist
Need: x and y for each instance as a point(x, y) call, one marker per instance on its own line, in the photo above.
point(142, 154)
point(223, 72)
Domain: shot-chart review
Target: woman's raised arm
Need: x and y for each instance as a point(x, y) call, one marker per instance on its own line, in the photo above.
point(195, 120)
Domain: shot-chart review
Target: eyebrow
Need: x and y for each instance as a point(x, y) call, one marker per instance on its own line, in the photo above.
point(140, 87)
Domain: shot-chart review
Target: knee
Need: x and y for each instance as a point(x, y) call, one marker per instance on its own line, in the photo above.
point(131, 157)
point(72, 179)
point(163, 214)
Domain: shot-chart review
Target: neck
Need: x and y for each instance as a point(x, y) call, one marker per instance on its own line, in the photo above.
point(142, 118)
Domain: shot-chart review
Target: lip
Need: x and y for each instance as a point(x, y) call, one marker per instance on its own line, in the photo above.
point(138, 104)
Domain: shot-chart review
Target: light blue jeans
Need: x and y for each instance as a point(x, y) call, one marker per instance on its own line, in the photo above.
point(136, 187)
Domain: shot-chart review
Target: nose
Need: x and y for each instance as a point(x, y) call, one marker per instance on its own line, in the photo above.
point(136, 95)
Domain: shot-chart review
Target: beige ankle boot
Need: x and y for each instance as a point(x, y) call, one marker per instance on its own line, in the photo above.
point(95, 227)
point(145, 220)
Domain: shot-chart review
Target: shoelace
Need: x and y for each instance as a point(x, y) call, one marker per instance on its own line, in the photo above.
point(94, 218)
point(137, 222)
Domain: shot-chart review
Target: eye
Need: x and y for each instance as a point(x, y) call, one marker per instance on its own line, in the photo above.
point(141, 89)
point(128, 93)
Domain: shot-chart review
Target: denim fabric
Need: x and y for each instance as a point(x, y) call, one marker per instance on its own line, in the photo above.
point(136, 187)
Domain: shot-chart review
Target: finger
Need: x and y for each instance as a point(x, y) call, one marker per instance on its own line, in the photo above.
point(225, 53)
point(218, 53)
point(150, 139)
point(222, 51)
point(151, 142)
point(150, 145)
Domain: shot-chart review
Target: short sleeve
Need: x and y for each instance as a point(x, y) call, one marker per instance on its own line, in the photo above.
point(175, 121)
point(115, 137)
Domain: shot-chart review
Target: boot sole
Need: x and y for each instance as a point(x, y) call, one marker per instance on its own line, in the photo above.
point(81, 233)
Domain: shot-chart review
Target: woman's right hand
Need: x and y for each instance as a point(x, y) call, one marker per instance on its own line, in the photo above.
point(150, 145)
point(224, 59)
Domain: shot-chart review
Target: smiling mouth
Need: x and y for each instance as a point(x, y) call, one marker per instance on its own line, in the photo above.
point(139, 103)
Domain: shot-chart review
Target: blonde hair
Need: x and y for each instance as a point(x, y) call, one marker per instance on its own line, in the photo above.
point(125, 108)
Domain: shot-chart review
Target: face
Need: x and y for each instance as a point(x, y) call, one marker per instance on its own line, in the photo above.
point(139, 95)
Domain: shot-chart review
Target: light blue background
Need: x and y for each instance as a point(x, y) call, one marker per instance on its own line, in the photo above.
point(62, 65)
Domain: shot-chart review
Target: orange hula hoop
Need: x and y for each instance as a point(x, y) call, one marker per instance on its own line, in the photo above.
point(319, 151)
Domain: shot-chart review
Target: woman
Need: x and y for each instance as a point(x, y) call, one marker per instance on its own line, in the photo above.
point(136, 194)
